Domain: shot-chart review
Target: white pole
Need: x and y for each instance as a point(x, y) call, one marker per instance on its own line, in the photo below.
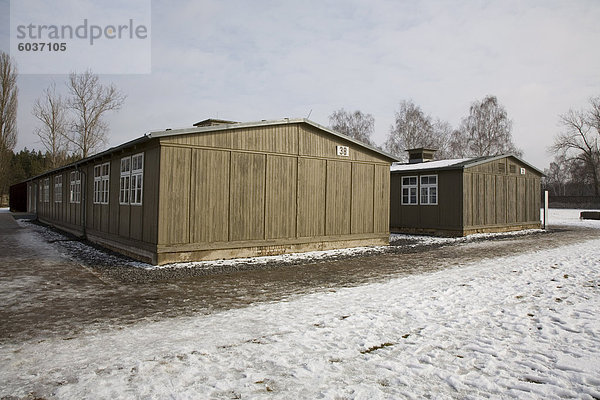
point(545, 209)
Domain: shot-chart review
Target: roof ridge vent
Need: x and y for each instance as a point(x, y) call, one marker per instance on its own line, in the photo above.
point(213, 122)
point(420, 154)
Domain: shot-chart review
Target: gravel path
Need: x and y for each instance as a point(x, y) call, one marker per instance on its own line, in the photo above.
point(48, 287)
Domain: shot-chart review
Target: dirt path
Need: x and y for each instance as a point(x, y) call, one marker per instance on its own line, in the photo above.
point(45, 292)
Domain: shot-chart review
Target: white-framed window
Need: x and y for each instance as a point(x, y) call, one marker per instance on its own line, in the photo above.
point(75, 187)
point(124, 180)
point(429, 189)
point(409, 190)
point(101, 183)
point(47, 190)
point(131, 180)
point(41, 191)
point(58, 189)
point(137, 178)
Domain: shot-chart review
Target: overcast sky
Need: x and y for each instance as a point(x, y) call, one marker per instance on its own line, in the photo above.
point(254, 60)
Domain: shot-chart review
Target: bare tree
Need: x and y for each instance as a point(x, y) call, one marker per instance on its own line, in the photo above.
point(487, 131)
point(90, 101)
point(579, 140)
point(50, 110)
point(442, 132)
point(413, 128)
point(355, 124)
point(557, 175)
point(458, 145)
point(8, 117)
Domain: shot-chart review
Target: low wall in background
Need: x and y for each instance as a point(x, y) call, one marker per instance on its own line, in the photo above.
point(583, 202)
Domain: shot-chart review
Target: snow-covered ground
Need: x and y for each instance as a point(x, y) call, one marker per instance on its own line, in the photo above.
point(524, 326)
point(562, 217)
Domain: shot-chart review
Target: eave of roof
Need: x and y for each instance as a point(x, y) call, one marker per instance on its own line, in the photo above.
point(428, 165)
point(459, 164)
point(139, 140)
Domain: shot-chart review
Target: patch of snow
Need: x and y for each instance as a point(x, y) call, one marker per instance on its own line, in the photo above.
point(427, 165)
point(419, 240)
point(570, 217)
point(281, 259)
point(524, 326)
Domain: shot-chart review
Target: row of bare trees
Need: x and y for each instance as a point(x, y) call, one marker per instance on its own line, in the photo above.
point(486, 131)
point(575, 170)
point(74, 124)
point(70, 126)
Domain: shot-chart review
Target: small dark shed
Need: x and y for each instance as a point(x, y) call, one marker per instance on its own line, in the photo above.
point(18, 197)
point(464, 196)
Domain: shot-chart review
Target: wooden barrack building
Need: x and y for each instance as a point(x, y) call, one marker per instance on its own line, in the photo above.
point(464, 196)
point(223, 190)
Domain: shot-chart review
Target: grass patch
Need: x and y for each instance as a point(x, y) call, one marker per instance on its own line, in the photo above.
point(381, 346)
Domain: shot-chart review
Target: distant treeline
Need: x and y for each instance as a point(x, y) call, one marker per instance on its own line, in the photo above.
point(26, 164)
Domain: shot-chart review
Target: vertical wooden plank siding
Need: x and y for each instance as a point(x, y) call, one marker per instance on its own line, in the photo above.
point(280, 206)
point(136, 222)
point(282, 139)
point(467, 199)
point(362, 198)
point(490, 199)
point(311, 197)
point(316, 143)
point(247, 196)
point(210, 215)
point(338, 197)
point(113, 195)
point(500, 207)
point(480, 199)
point(87, 187)
point(395, 201)
point(513, 196)
point(521, 199)
point(174, 195)
point(150, 194)
point(270, 196)
point(450, 199)
point(124, 220)
point(381, 199)
point(537, 196)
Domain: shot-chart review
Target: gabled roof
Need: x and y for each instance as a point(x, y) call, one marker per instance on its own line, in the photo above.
point(241, 125)
point(212, 125)
point(459, 163)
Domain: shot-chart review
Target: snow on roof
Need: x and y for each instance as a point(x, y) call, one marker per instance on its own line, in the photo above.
point(428, 165)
